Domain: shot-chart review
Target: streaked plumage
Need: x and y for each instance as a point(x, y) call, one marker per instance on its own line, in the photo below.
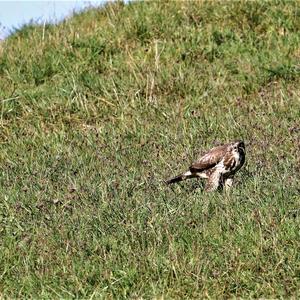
point(218, 166)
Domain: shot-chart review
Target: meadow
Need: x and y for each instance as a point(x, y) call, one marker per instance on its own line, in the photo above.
point(97, 111)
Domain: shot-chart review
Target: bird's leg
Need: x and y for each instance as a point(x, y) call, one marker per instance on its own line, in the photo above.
point(228, 183)
point(213, 182)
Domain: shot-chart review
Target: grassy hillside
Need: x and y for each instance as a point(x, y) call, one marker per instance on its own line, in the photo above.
point(97, 111)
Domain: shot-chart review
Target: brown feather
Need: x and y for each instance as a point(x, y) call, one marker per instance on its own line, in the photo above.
point(209, 159)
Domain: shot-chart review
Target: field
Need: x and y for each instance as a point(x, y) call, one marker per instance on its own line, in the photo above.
point(97, 111)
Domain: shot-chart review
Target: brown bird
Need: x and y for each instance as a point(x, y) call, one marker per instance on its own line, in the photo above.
point(218, 166)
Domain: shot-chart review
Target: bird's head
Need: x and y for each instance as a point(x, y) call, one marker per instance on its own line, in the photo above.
point(239, 146)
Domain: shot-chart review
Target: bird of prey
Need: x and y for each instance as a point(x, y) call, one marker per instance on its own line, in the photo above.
point(218, 166)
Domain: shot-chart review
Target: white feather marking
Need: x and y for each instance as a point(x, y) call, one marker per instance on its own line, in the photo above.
point(188, 173)
point(237, 157)
point(220, 167)
point(202, 175)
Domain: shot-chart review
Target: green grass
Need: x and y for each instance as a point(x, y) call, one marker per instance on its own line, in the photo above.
point(97, 111)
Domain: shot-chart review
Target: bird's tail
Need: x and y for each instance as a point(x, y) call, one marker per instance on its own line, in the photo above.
point(180, 177)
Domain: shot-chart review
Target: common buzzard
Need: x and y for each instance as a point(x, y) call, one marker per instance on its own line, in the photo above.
point(218, 166)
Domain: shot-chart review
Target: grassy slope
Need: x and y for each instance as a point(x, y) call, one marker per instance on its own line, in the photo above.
point(96, 111)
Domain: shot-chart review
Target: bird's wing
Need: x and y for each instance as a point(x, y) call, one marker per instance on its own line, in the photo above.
point(209, 160)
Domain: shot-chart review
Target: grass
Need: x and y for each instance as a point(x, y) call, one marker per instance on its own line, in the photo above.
point(97, 111)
